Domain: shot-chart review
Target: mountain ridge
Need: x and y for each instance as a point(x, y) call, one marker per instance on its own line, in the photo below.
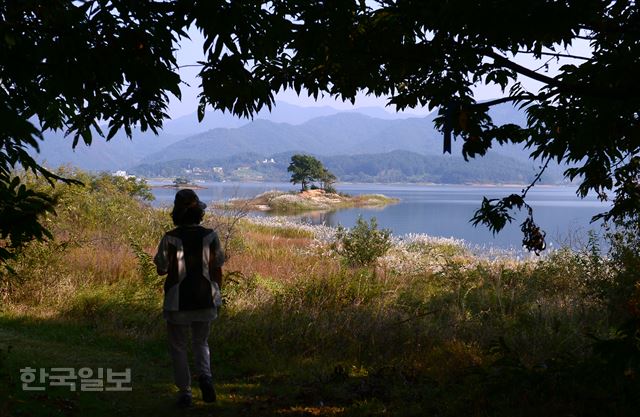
point(341, 133)
point(122, 152)
point(322, 131)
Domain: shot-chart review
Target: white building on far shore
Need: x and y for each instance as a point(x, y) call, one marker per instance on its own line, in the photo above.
point(122, 174)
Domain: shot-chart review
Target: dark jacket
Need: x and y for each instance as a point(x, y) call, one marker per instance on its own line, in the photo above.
point(191, 256)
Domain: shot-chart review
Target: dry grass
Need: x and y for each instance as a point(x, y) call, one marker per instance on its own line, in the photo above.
point(282, 254)
point(425, 315)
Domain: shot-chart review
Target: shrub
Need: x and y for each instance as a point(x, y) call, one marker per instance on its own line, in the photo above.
point(330, 189)
point(622, 292)
point(362, 244)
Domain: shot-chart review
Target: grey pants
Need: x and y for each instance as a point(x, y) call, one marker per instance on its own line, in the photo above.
point(178, 340)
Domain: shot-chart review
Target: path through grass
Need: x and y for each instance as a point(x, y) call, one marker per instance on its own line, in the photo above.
point(52, 343)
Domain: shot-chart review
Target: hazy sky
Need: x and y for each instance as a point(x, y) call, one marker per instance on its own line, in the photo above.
point(191, 51)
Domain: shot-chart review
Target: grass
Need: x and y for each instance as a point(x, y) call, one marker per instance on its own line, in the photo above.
point(430, 329)
point(40, 345)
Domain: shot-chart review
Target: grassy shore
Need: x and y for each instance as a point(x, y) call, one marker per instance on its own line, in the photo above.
point(431, 328)
point(312, 200)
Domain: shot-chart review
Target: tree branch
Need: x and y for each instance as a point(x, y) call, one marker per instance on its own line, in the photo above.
point(504, 62)
point(511, 98)
point(583, 90)
point(536, 179)
point(558, 55)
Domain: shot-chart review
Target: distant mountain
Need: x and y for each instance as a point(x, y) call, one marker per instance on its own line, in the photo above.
point(283, 112)
point(121, 152)
point(118, 153)
point(322, 131)
point(345, 133)
point(261, 137)
point(404, 166)
point(356, 147)
point(395, 166)
point(342, 133)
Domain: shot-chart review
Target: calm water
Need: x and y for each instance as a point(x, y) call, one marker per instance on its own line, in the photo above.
point(437, 210)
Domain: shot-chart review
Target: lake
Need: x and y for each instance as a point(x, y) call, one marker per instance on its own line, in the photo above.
point(437, 210)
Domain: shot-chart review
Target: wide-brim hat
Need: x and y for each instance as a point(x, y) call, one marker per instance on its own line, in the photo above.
point(188, 198)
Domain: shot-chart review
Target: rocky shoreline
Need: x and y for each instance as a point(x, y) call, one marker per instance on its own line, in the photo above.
point(181, 187)
point(311, 200)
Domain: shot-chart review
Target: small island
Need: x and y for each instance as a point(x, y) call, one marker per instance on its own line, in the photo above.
point(180, 183)
point(180, 187)
point(309, 200)
point(305, 170)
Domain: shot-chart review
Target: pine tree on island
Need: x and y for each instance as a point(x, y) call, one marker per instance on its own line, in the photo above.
point(306, 169)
